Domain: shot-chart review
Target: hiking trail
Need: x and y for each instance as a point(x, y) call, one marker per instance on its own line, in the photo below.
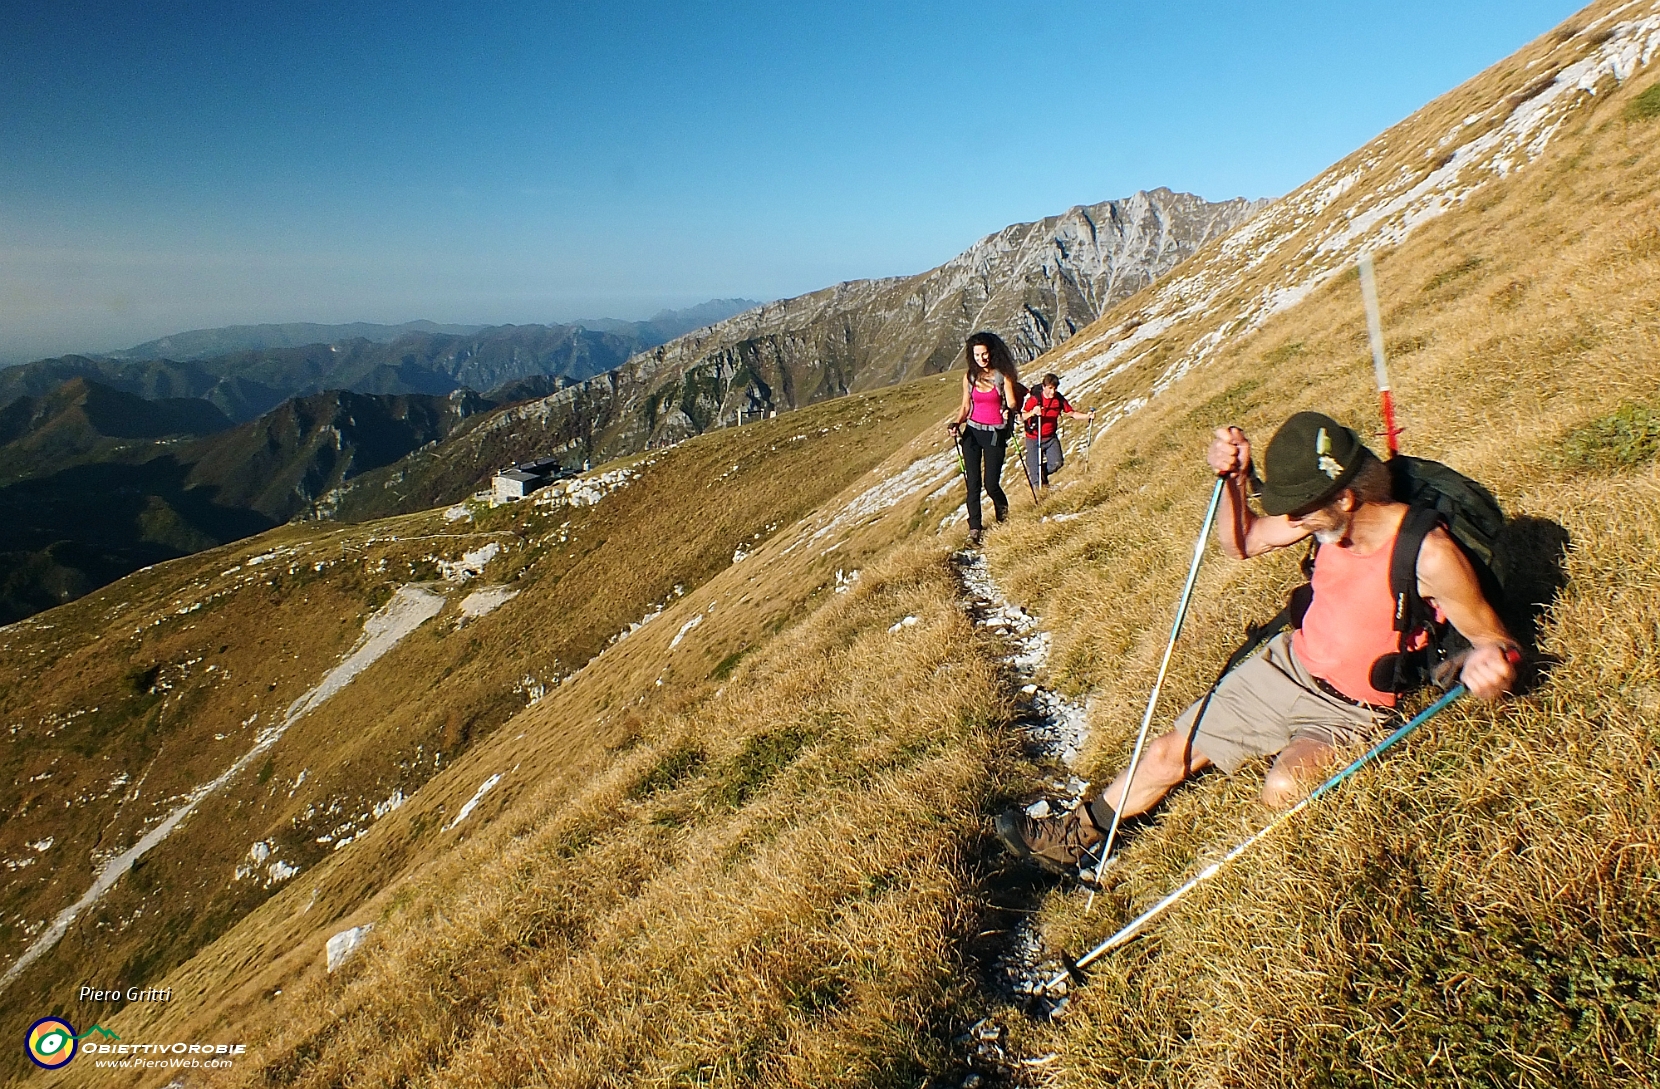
point(1053, 730)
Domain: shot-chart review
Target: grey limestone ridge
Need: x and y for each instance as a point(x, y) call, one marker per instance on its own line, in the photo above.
point(1033, 283)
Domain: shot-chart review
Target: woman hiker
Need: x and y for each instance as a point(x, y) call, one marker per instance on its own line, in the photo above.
point(983, 422)
point(1042, 415)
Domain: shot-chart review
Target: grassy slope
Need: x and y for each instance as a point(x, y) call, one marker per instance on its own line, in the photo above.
point(776, 877)
point(1482, 908)
point(91, 701)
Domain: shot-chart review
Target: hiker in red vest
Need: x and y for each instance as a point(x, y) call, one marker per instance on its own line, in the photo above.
point(1315, 690)
point(1042, 415)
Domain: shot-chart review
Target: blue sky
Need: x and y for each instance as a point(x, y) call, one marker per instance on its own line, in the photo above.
point(177, 165)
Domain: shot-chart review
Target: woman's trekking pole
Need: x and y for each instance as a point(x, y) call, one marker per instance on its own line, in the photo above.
point(1025, 467)
point(1374, 333)
point(1158, 683)
point(1131, 928)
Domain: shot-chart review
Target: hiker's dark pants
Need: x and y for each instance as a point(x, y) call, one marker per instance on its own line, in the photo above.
point(979, 443)
point(1042, 467)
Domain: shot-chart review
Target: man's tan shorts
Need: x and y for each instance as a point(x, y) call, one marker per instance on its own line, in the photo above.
point(1269, 701)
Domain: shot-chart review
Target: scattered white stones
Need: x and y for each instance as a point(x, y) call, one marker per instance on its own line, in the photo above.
point(471, 564)
point(883, 494)
point(656, 611)
point(410, 607)
point(1055, 730)
point(586, 491)
point(393, 802)
point(685, 629)
point(908, 622)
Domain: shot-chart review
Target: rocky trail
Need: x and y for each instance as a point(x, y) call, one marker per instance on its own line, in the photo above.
point(1015, 963)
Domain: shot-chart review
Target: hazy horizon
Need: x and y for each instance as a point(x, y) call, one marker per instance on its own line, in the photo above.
point(193, 167)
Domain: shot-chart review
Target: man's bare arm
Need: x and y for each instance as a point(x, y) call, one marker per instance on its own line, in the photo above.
point(1240, 530)
point(1446, 579)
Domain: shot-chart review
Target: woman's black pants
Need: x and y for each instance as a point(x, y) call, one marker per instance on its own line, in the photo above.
point(978, 444)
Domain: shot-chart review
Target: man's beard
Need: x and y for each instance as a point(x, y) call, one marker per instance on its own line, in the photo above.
point(1337, 527)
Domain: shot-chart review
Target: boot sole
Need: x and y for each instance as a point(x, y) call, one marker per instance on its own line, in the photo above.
point(1008, 833)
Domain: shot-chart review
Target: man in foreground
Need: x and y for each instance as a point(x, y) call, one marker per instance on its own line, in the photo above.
point(1310, 693)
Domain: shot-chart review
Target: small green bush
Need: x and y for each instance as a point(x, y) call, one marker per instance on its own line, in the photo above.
point(676, 765)
point(763, 756)
point(1448, 275)
point(728, 664)
point(1625, 438)
point(1646, 106)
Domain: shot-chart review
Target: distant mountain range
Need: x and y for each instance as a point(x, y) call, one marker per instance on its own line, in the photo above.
point(374, 420)
point(262, 365)
point(1034, 283)
point(108, 465)
point(208, 343)
point(96, 482)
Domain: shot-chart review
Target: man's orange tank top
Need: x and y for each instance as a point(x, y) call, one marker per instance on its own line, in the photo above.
point(1351, 622)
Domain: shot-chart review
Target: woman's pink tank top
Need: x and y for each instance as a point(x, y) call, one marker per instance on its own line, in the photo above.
point(987, 406)
point(1351, 622)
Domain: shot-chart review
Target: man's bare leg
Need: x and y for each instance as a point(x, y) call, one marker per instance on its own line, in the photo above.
point(1164, 763)
point(1298, 769)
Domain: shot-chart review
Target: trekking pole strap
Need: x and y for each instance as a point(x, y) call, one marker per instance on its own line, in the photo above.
point(1131, 928)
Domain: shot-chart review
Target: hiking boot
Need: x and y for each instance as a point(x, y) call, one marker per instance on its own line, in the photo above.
point(1001, 513)
point(1058, 842)
point(974, 538)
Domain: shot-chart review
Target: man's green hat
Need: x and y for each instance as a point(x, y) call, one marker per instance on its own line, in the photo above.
point(1309, 460)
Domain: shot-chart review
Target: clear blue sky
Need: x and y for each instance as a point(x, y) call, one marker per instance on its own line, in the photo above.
point(170, 165)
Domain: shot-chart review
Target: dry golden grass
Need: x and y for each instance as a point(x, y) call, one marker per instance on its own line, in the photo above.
point(1480, 909)
point(796, 930)
point(421, 710)
point(769, 870)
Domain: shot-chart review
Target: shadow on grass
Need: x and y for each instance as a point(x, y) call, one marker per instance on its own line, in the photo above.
point(67, 534)
point(1535, 552)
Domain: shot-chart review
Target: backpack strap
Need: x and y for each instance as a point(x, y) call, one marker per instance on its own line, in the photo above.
point(1410, 609)
point(1412, 612)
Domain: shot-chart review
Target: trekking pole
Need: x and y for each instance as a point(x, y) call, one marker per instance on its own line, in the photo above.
point(1374, 333)
point(1027, 469)
point(1089, 435)
point(1131, 928)
point(1158, 683)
